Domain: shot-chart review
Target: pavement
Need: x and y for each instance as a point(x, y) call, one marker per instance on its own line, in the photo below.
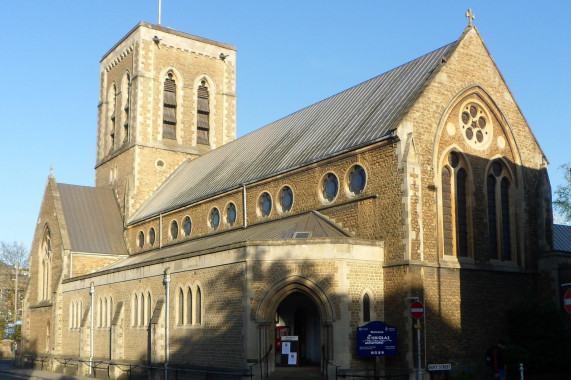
point(30, 373)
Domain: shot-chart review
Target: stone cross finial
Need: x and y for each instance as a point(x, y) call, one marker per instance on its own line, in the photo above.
point(470, 16)
point(51, 171)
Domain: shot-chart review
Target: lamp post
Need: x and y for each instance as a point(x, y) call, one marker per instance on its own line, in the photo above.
point(17, 266)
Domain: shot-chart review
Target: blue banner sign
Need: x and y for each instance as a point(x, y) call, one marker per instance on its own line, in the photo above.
point(376, 339)
point(9, 331)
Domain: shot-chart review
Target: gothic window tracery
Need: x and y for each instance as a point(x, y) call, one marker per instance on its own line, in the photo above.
point(476, 125)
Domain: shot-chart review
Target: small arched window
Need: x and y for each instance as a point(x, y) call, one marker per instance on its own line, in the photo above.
point(169, 107)
point(366, 308)
point(135, 311)
point(149, 306)
point(142, 310)
point(180, 307)
point(189, 306)
point(198, 311)
point(203, 114)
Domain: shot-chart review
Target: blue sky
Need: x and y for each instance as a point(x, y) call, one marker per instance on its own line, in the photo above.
point(290, 54)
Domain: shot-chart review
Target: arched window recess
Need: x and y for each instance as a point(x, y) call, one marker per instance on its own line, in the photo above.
point(455, 206)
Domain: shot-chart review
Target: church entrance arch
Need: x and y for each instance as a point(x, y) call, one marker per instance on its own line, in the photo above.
point(297, 315)
point(302, 307)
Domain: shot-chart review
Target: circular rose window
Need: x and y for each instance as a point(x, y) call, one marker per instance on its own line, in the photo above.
point(475, 125)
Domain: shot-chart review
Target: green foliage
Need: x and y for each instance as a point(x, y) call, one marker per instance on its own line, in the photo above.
point(562, 202)
point(544, 332)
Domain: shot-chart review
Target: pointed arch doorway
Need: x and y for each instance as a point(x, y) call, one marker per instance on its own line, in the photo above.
point(297, 315)
point(302, 305)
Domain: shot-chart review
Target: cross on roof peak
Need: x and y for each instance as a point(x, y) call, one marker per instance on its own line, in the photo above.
point(470, 16)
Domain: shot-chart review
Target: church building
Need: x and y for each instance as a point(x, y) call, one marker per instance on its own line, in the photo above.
point(197, 250)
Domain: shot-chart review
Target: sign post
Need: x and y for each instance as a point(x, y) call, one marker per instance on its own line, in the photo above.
point(567, 300)
point(376, 339)
point(417, 312)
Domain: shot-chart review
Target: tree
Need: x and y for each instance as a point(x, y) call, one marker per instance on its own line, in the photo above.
point(562, 200)
point(14, 253)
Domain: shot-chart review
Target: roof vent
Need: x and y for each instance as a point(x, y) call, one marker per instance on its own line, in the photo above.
point(301, 235)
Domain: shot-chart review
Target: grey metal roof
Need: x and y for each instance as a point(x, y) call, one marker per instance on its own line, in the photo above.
point(315, 224)
point(355, 117)
point(93, 219)
point(561, 238)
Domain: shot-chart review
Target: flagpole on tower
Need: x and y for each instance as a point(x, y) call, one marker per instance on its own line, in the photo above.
point(159, 12)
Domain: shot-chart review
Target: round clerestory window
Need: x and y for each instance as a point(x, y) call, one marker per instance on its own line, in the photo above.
point(214, 218)
point(265, 204)
point(187, 225)
point(286, 198)
point(174, 230)
point(329, 187)
point(152, 236)
point(356, 179)
point(141, 238)
point(231, 213)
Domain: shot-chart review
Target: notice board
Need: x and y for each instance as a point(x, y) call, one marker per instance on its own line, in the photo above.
point(290, 350)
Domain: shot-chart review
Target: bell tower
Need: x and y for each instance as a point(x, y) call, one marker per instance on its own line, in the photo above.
point(165, 97)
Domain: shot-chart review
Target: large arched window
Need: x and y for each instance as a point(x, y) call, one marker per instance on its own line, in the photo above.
point(112, 105)
point(499, 221)
point(169, 107)
point(44, 283)
point(455, 206)
point(126, 96)
point(203, 114)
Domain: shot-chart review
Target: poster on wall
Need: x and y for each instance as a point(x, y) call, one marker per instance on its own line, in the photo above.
point(376, 338)
point(290, 350)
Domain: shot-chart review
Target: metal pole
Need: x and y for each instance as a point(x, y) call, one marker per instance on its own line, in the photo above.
point(15, 313)
point(92, 294)
point(521, 371)
point(419, 372)
point(166, 282)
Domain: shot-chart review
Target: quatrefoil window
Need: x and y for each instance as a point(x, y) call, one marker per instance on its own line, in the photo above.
point(476, 125)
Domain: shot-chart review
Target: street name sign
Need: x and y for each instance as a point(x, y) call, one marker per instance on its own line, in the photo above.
point(440, 367)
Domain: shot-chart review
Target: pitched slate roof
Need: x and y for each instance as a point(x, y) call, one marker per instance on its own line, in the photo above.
point(308, 226)
point(359, 116)
point(93, 220)
point(562, 238)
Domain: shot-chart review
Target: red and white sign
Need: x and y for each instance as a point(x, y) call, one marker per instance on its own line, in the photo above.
point(417, 309)
point(567, 301)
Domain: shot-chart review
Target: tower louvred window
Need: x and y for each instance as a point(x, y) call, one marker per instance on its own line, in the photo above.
point(169, 109)
point(203, 114)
